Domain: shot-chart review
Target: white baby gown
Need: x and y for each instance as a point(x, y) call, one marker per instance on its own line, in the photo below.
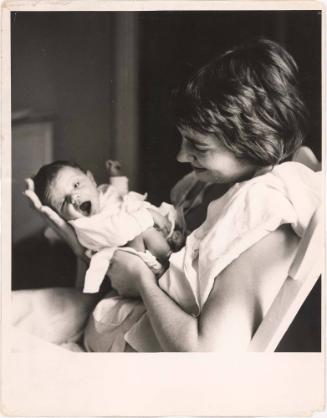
point(122, 216)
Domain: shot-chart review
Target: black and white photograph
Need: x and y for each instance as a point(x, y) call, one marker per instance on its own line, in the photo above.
point(166, 183)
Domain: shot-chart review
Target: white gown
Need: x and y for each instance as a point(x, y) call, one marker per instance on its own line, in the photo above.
point(249, 211)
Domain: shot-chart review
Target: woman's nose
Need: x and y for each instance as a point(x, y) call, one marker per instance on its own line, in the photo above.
point(183, 155)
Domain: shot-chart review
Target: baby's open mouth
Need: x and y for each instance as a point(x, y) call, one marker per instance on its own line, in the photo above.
point(86, 207)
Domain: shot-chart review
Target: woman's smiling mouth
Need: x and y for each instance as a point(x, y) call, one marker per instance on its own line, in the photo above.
point(198, 169)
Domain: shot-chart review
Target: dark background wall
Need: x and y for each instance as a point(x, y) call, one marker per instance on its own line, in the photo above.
point(62, 63)
point(65, 63)
point(173, 44)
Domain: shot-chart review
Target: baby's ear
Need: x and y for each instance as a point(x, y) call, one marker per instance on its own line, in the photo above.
point(90, 176)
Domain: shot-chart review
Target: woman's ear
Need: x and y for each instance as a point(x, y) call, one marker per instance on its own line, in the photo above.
point(90, 176)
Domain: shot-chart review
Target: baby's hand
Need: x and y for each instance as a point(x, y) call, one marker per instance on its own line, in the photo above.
point(160, 221)
point(114, 168)
point(176, 240)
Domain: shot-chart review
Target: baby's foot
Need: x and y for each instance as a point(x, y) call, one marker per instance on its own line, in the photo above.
point(114, 168)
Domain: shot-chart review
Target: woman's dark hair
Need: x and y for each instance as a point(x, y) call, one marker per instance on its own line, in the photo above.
point(45, 176)
point(249, 98)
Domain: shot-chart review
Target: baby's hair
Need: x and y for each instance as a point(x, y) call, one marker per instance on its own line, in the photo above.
point(249, 98)
point(46, 175)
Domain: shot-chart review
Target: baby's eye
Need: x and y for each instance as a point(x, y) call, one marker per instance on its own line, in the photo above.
point(76, 184)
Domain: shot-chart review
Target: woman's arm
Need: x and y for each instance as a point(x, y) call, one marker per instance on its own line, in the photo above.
point(235, 307)
point(225, 321)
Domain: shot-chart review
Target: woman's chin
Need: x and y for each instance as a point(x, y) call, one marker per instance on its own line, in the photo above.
point(209, 176)
point(203, 174)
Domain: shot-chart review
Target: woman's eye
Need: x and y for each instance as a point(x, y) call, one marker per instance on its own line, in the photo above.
point(199, 149)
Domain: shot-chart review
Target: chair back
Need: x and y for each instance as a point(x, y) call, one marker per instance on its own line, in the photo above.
point(304, 272)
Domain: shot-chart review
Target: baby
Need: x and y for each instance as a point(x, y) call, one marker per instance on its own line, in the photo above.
point(108, 216)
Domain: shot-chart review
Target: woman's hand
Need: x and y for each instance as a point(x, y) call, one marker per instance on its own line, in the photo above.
point(126, 271)
point(64, 230)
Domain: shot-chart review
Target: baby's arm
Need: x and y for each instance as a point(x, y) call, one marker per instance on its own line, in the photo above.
point(161, 222)
point(154, 238)
point(156, 242)
point(174, 241)
point(114, 168)
point(116, 177)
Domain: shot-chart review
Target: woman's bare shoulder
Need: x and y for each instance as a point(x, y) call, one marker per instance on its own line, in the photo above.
point(243, 292)
point(263, 267)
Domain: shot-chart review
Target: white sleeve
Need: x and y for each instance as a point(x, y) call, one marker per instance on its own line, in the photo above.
point(235, 223)
point(120, 183)
point(111, 230)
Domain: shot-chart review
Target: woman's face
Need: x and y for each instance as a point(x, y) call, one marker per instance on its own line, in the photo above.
point(211, 160)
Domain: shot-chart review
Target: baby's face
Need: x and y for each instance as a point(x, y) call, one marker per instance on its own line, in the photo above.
point(73, 194)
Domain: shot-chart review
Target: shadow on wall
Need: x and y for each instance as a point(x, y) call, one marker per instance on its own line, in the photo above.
point(38, 263)
point(67, 72)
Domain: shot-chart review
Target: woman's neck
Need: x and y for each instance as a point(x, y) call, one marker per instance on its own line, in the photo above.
point(263, 170)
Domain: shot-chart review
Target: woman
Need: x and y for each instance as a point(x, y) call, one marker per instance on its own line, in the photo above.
point(239, 117)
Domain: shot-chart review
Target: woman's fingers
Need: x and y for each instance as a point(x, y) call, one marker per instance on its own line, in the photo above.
point(33, 199)
point(64, 230)
point(53, 219)
point(125, 271)
point(122, 273)
point(29, 184)
point(30, 194)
